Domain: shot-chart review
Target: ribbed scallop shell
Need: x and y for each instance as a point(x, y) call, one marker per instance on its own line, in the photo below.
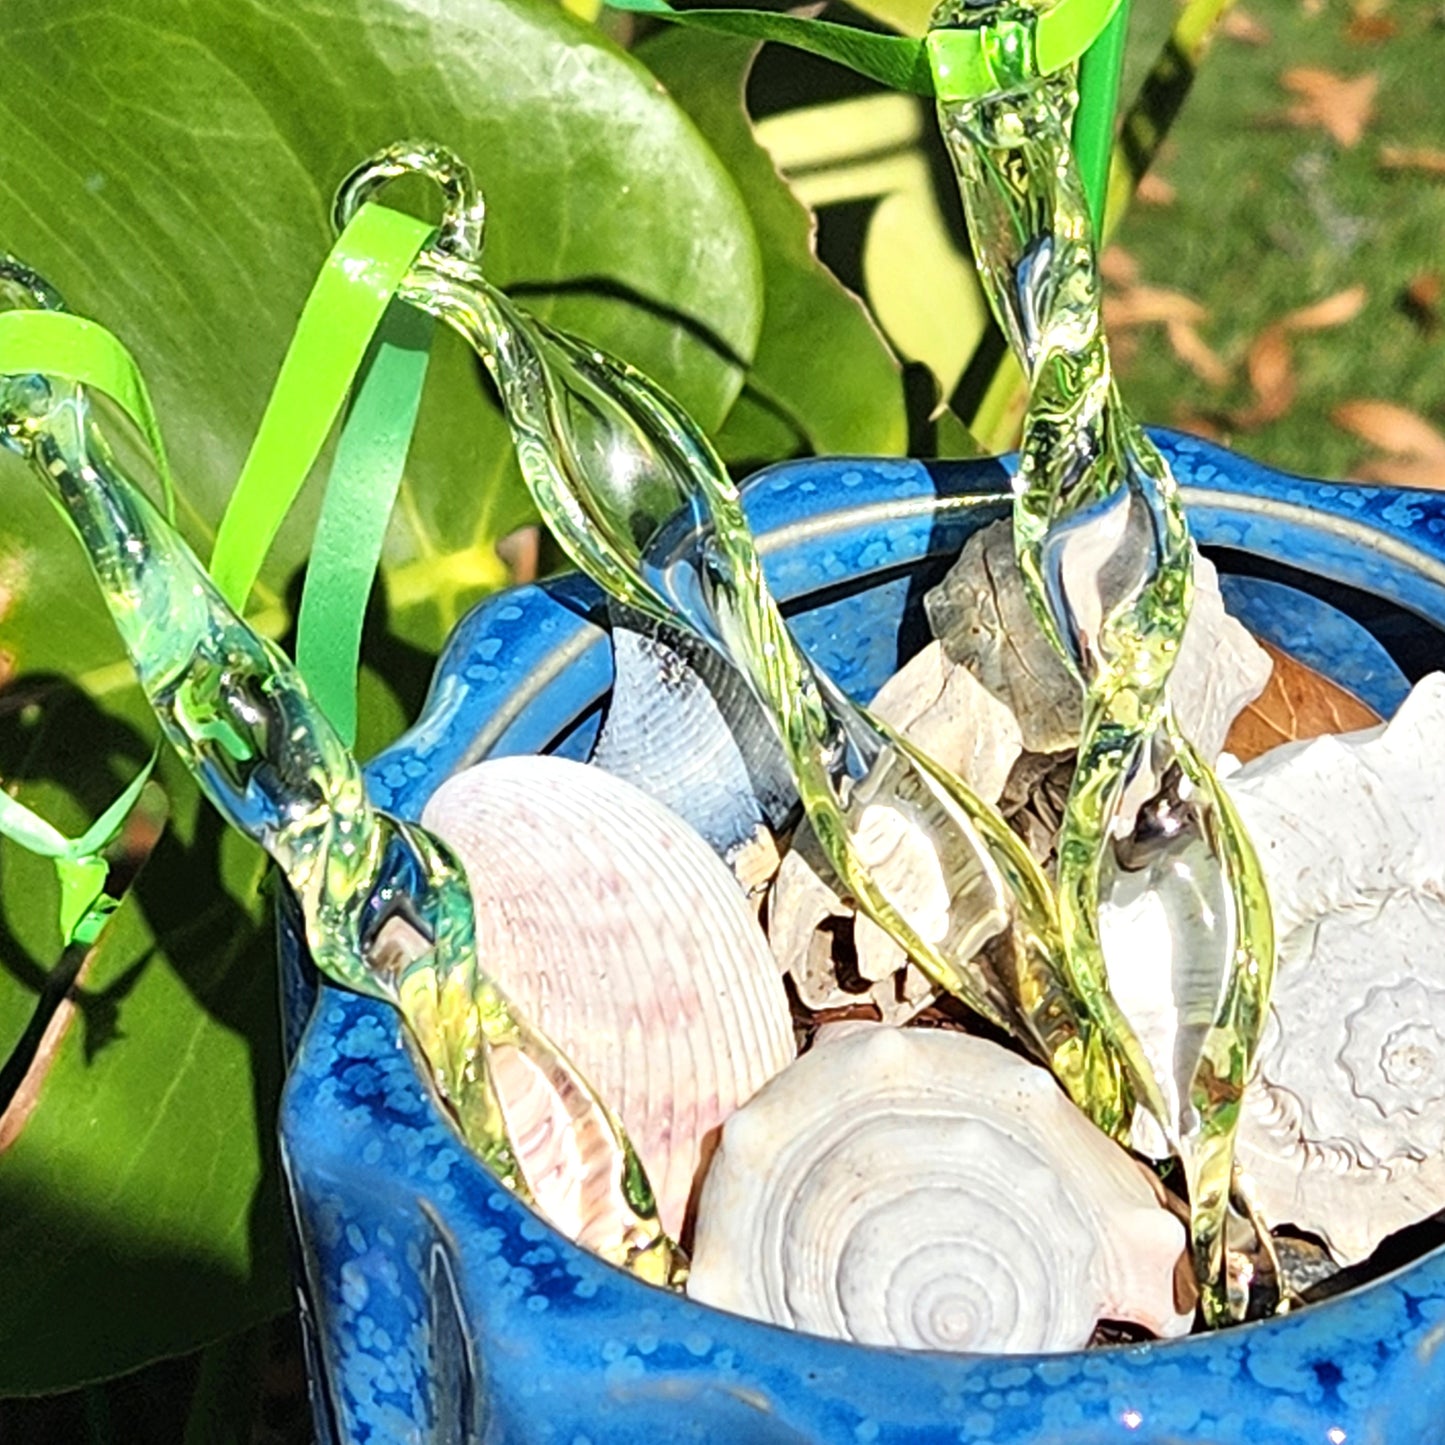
point(1343, 1127)
point(934, 1191)
point(617, 931)
point(683, 727)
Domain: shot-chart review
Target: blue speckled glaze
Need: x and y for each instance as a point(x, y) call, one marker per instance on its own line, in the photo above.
point(1320, 636)
point(442, 1310)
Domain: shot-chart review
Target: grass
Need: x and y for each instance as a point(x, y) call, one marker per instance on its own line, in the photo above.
point(1269, 217)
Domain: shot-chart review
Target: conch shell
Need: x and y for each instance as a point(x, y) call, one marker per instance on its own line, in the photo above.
point(931, 1190)
point(1343, 1127)
point(620, 934)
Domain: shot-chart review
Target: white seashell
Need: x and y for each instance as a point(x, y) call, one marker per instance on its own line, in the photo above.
point(982, 616)
point(931, 1190)
point(944, 709)
point(1343, 1127)
point(616, 930)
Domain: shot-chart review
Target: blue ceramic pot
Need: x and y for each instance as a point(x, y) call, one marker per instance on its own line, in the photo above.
point(440, 1309)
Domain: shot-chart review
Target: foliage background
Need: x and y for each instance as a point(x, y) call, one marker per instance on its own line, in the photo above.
point(169, 167)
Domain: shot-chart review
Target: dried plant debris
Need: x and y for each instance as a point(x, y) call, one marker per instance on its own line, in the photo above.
point(1342, 105)
point(833, 957)
point(1297, 703)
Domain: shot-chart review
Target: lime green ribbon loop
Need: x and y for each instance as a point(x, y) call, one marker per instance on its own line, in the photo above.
point(361, 275)
point(55, 343)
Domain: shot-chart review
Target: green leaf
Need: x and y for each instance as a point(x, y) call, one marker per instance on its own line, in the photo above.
point(823, 379)
point(139, 1209)
point(170, 169)
point(921, 287)
point(910, 17)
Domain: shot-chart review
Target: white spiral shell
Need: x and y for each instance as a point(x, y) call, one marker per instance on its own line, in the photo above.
point(931, 1190)
point(1343, 1127)
point(615, 929)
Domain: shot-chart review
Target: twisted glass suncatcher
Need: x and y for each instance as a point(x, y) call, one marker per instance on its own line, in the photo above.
point(637, 496)
point(1105, 554)
point(387, 911)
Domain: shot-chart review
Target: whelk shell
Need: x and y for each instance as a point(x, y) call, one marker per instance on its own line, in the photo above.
point(1343, 1127)
point(931, 1190)
point(620, 934)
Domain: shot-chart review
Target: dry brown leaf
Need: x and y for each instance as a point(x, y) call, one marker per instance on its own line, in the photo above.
point(1196, 353)
point(1417, 449)
point(1334, 310)
point(1371, 29)
point(1124, 350)
point(1199, 425)
point(1340, 105)
point(1240, 25)
point(1154, 190)
point(1420, 300)
point(1271, 373)
point(521, 551)
point(1391, 428)
point(1140, 305)
point(1118, 266)
point(1297, 703)
point(1413, 158)
point(1421, 474)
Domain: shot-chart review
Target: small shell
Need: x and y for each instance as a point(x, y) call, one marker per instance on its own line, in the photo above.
point(683, 727)
point(620, 934)
point(943, 709)
point(1343, 1126)
point(931, 1190)
point(982, 615)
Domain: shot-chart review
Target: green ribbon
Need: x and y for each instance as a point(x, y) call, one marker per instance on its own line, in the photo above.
point(951, 63)
point(335, 340)
point(361, 275)
point(1099, 73)
point(360, 494)
point(55, 343)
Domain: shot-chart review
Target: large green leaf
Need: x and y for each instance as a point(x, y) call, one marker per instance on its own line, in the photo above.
point(170, 168)
point(823, 380)
point(870, 149)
